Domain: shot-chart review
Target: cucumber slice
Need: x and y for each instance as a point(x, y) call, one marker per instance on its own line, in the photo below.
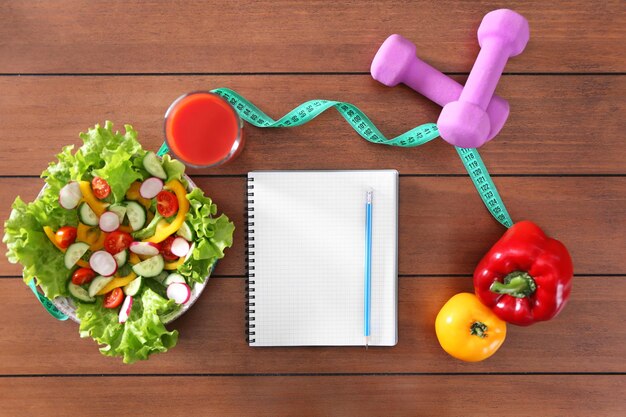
point(133, 288)
point(120, 210)
point(186, 232)
point(152, 164)
point(74, 253)
point(161, 277)
point(151, 267)
point(80, 293)
point(136, 214)
point(121, 258)
point(86, 215)
point(97, 284)
point(174, 277)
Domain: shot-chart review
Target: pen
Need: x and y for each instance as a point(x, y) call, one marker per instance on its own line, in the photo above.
point(368, 263)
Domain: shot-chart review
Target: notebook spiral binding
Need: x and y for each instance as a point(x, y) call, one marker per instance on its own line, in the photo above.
point(249, 232)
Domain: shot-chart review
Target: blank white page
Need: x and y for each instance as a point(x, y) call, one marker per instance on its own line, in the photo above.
point(309, 257)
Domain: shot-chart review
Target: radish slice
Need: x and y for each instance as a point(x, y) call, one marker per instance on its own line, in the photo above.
point(145, 248)
point(125, 309)
point(179, 292)
point(103, 263)
point(70, 196)
point(180, 247)
point(109, 222)
point(151, 187)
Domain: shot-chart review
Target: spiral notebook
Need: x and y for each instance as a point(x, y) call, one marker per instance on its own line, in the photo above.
point(306, 258)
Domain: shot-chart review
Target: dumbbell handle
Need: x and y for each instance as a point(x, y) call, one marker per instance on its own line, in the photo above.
point(485, 74)
point(431, 83)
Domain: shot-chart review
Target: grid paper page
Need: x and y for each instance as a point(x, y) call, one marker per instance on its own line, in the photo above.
point(309, 245)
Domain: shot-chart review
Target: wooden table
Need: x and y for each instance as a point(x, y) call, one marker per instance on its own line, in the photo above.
point(66, 65)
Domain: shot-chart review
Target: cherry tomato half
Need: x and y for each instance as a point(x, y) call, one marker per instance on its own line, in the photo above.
point(113, 298)
point(167, 203)
point(83, 276)
point(101, 188)
point(166, 249)
point(65, 236)
point(117, 241)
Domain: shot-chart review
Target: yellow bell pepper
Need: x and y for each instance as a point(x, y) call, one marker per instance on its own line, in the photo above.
point(117, 282)
point(133, 194)
point(468, 330)
point(51, 235)
point(126, 229)
point(164, 229)
point(133, 258)
point(96, 205)
point(174, 265)
point(92, 236)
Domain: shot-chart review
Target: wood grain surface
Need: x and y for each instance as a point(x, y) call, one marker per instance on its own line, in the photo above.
point(560, 161)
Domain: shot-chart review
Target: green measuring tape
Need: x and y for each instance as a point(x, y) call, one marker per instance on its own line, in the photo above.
point(417, 136)
point(46, 303)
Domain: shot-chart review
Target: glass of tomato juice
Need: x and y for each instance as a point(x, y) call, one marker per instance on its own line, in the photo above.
point(203, 130)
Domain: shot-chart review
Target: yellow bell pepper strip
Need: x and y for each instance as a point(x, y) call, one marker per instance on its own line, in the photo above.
point(51, 235)
point(133, 258)
point(133, 194)
point(164, 229)
point(96, 205)
point(48, 231)
point(468, 330)
point(92, 236)
point(117, 282)
point(126, 229)
point(174, 265)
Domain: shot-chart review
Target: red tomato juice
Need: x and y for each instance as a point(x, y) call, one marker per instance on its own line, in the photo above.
point(203, 129)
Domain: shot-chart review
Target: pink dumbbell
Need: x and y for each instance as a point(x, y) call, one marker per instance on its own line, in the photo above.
point(395, 62)
point(502, 34)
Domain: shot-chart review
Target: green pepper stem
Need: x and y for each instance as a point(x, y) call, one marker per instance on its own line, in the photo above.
point(517, 284)
point(478, 329)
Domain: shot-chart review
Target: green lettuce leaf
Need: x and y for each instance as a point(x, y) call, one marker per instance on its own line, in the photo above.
point(173, 168)
point(213, 235)
point(143, 333)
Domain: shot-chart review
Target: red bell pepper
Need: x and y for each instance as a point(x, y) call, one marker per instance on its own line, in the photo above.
point(526, 276)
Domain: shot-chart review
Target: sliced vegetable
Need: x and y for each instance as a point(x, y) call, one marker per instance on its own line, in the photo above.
point(171, 266)
point(151, 187)
point(161, 277)
point(150, 229)
point(114, 298)
point(121, 258)
point(133, 259)
point(52, 237)
point(116, 283)
point(120, 210)
point(136, 215)
point(174, 277)
point(179, 292)
point(100, 187)
point(166, 249)
point(97, 284)
point(80, 293)
point(133, 288)
point(103, 263)
point(70, 196)
point(180, 247)
point(167, 205)
point(96, 205)
point(133, 194)
point(151, 267)
point(87, 215)
point(74, 252)
point(125, 309)
point(164, 229)
point(152, 164)
point(145, 248)
point(83, 276)
point(109, 222)
point(65, 236)
point(117, 241)
point(186, 232)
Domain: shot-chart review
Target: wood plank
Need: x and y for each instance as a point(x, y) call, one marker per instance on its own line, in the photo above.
point(212, 337)
point(489, 395)
point(444, 227)
point(279, 36)
point(558, 124)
